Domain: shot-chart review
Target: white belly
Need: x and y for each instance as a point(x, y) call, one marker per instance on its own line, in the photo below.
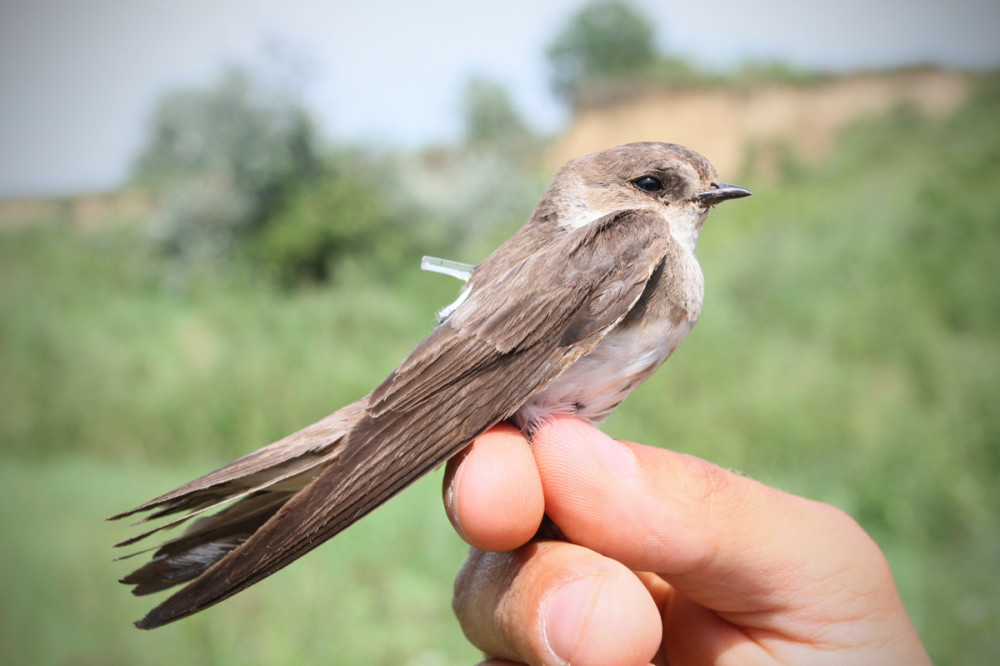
point(597, 383)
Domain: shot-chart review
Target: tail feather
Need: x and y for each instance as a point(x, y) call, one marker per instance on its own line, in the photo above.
point(205, 542)
point(285, 483)
point(292, 455)
point(253, 489)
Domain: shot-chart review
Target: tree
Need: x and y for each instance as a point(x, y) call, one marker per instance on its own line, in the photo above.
point(605, 39)
point(343, 213)
point(491, 121)
point(223, 159)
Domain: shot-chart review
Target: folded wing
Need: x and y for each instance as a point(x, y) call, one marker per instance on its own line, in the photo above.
point(509, 339)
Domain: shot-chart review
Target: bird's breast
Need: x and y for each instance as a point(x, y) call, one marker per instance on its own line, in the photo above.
point(599, 381)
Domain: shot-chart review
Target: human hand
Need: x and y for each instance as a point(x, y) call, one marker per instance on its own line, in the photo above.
point(669, 559)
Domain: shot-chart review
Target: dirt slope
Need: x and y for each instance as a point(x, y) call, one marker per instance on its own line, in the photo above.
point(725, 123)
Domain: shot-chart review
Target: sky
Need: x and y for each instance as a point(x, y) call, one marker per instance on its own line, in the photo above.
point(78, 80)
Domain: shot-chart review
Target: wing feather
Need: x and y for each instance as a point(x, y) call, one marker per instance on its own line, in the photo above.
point(282, 459)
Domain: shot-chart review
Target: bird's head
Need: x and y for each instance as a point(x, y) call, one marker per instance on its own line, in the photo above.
point(666, 179)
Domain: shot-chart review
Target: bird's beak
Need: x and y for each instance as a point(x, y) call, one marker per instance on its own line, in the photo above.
point(719, 192)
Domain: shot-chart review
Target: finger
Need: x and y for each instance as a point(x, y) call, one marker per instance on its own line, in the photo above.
point(726, 542)
point(492, 491)
point(555, 603)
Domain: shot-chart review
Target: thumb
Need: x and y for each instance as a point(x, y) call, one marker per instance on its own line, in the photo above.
point(722, 540)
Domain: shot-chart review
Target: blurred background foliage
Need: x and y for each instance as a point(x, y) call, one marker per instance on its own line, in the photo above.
point(605, 40)
point(848, 352)
point(224, 160)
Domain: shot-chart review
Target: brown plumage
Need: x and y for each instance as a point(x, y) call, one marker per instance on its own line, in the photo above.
point(568, 316)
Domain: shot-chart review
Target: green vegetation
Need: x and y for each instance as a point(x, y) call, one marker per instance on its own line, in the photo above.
point(607, 50)
point(849, 351)
point(604, 40)
point(492, 123)
point(223, 159)
point(240, 175)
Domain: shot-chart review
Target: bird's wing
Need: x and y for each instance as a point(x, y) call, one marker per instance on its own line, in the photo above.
point(509, 339)
point(288, 464)
point(250, 489)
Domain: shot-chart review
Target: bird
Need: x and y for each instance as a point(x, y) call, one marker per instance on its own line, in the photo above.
point(567, 317)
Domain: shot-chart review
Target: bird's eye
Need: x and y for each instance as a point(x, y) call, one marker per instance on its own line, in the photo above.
point(649, 184)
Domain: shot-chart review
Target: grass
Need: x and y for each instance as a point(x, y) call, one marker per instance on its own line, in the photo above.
point(848, 351)
point(350, 602)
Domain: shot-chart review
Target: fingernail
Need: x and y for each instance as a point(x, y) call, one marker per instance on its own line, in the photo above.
point(566, 613)
point(451, 502)
point(615, 457)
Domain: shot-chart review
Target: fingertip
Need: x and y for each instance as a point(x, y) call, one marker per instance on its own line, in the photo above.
point(576, 436)
point(592, 486)
point(643, 506)
point(493, 492)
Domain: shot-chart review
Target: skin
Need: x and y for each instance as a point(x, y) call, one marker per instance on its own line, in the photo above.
point(744, 573)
